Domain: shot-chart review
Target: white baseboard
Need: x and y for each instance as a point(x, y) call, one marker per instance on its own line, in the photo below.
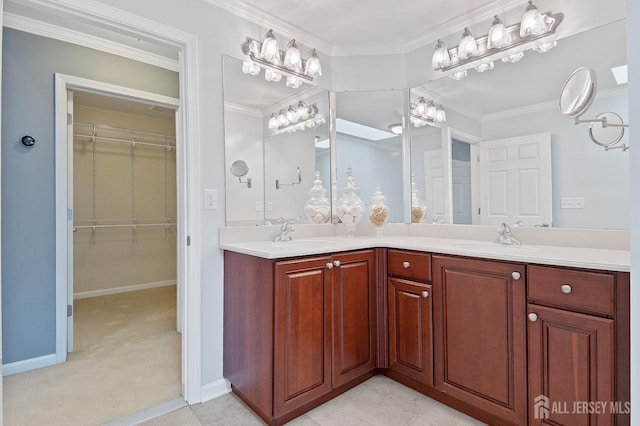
point(124, 289)
point(215, 389)
point(28, 364)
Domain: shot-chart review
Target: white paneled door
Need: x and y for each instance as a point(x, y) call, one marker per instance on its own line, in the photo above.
point(515, 180)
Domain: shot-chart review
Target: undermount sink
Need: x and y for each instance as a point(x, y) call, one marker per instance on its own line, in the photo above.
point(493, 247)
point(301, 244)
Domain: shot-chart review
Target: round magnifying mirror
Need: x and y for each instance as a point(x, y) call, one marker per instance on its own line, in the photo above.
point(578, 92)
point(609, 135)
point(239, 168)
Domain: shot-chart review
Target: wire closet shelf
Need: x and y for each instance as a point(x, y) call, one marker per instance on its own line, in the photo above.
point(95, 133)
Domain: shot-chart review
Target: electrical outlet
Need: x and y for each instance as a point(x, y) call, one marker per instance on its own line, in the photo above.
point(269, 206)
point(258, 206)
point(572, 203)
point(210, 199)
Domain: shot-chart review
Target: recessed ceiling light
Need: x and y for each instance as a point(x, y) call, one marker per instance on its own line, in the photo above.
point(620, 74)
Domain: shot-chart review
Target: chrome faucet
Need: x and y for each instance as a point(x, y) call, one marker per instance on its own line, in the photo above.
point(285, 229)
point(505, 236)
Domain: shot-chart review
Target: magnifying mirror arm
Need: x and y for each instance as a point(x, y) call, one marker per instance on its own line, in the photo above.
point(278, 184)
point(248, 182)
point(603, 120)
point(623, 147)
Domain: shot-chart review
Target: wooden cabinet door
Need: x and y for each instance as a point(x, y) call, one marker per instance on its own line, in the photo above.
point(570, 364)
point(354, 316)
point(410, 329)
point(302, 333)
point(479, 320)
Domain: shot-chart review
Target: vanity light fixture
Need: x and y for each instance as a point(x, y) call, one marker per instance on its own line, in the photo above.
point(424, 113)
point(502, 42)
point(296, 117)
point(267, 55)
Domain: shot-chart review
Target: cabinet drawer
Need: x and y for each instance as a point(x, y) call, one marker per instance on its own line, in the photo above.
point(580, 290)
point(409, 265)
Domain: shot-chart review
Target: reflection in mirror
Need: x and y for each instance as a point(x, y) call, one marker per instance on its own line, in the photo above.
point(366, 144)
point(587, 187)
point(281, 135)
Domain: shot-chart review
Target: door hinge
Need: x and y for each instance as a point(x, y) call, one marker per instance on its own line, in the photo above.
point(69, 118)
point(69, 310)
point(188, 240)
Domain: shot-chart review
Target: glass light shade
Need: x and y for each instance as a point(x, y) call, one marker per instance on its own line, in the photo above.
point(441, 116)
point(419, 106)
point(250, 68)
point(273, 122)
point(459, 75)
point(282, 120)
point(270, 51)
point(302, 110)
point(468, 46)
point(312, 66)
point(293, 82)
point(292, 58)
point(292, 114)
point(532, 22)
point(271, 75)
point(513, 58)
point(545, 47)
point(487, 66)
point(440, 57)
point(498, 35)
point(321, 120)
point(430, 112)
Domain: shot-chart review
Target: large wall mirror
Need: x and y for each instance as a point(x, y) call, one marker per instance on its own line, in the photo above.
point(506, 153)
point(369, 141)
point(276, 138)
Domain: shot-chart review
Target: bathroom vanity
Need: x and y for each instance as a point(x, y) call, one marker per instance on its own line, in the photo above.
point(483, 329)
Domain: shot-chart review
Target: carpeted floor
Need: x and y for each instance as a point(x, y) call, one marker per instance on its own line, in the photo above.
point(126, 358)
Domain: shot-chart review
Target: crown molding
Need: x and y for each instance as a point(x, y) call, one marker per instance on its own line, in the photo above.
point(457, 24)
point(242, 109)
point(294, 98)
point(544, 106)
point(44, 29)
point(265, 20)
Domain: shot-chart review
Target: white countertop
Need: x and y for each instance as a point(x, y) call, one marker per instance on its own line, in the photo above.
point(578, 257)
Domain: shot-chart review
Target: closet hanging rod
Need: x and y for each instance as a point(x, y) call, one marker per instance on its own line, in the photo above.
point(127, 141)
point(121, 129)
point(131, 225)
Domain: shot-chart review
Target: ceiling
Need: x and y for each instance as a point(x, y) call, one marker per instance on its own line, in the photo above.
point(348, 27)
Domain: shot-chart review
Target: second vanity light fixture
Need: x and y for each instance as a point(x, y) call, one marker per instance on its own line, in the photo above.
point(296, 117)
point(425, 112)
point(500, 40)
point(267, 55)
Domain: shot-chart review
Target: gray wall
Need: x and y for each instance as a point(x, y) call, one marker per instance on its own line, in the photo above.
point(28, 187)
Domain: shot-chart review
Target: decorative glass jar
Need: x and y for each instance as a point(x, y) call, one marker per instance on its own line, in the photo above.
point(318, 207)
point(378, 212)
point(418, 207)
point(350, 206)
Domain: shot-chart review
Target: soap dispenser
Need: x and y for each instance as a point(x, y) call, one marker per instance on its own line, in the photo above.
point(318, 207)
point(350, 206)
point(418, 207)
point(378, 212)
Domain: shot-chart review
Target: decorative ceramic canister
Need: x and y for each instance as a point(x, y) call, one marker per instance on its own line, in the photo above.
point(350, 206)
point(378, 212)
point(318, 207)
point(418, 207)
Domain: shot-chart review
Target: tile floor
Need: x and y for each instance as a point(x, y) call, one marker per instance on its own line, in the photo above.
point(378, 401)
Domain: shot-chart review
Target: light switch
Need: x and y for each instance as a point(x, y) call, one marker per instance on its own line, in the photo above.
point(210, 199)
